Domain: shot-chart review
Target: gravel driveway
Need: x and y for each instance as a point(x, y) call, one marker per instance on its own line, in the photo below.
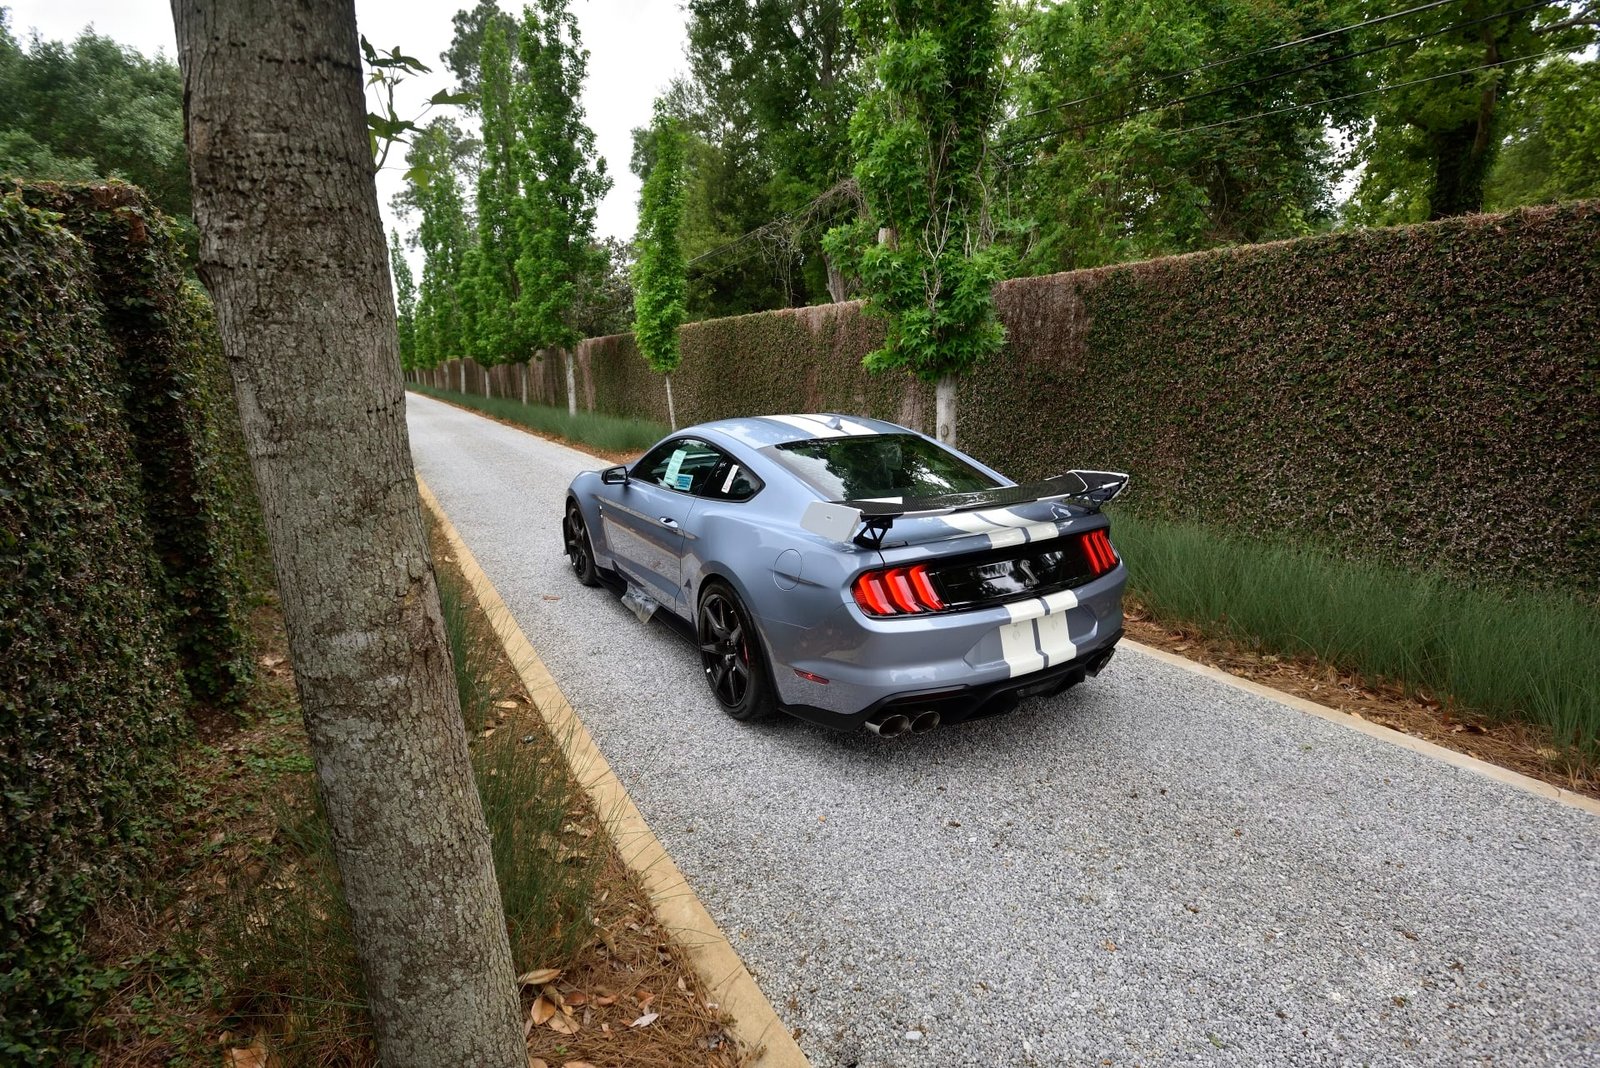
point(1152, 869)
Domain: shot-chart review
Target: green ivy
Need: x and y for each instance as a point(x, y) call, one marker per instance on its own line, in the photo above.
point(1426, 396)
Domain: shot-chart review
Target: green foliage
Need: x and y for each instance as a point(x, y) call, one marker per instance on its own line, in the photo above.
point(178, 403)
point(658, 273)
point(91, 699)
point(94, 109)
point(1553, 151)
point(767, 104)
point(1527, 655)
point(608, 432)
point(467, 44)
point(445, 240)
point(553, 151)
point(1100, 167)
point(405, 295)
point(1431, 146)
point(920, 140)
point(498, 334)
point(1424, 396)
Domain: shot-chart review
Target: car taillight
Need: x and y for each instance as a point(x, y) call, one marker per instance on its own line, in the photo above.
point(896, 591)
point(1097, 547)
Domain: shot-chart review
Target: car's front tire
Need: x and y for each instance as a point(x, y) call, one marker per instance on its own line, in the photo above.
point(580, 550)
point(732, 656)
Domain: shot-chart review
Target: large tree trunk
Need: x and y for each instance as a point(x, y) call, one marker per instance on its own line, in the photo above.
point(572, 382)
point(672, 413)
point(944, 410)
point(524, 366)
point(292, 250)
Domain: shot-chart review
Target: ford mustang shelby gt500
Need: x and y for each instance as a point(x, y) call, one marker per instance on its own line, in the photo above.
point(853, 572)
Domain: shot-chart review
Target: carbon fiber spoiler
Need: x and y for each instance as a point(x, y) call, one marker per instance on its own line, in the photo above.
point(866, 522)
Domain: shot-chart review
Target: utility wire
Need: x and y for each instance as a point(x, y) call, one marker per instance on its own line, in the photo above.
point(1265, 78)
point(1385, 88)
point(1264, 50)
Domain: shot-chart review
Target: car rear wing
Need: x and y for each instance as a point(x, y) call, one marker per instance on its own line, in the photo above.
point(866, 522)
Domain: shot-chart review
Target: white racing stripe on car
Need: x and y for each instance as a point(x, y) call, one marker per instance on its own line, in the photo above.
point(815, 427)
point(1037, 636)
point(1017, 532)
point(856, 429)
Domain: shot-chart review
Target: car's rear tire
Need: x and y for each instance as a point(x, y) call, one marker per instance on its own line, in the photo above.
point(732, 656)
point(580, 550)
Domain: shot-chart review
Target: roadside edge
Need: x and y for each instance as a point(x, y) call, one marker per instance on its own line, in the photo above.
point(1417, 745)
point(755, 1022)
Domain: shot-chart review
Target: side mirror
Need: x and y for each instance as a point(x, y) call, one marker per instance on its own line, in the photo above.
point(614, 476)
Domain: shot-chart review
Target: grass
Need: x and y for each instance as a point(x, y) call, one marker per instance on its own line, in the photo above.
point(605, 432)
point(1531, 655)
point(286, 942)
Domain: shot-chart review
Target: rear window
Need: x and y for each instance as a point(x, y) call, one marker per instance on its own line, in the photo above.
point(880, 465)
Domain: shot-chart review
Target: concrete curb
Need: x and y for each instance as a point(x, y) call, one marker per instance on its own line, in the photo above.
point(1374, 730)
point(754, 1021)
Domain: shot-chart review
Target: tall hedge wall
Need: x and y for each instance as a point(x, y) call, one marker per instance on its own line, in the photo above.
point(177, 400)
point(1425, 395)
point(127, 522)
point(91, 698)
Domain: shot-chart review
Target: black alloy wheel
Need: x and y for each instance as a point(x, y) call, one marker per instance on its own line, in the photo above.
point(730, 652)
point(580, 551)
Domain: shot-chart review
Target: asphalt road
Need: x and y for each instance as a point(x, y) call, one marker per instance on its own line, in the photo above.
point(1152, 869)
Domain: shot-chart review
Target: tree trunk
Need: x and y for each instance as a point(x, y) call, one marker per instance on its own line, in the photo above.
point(293, 252)
point(672, 413)
point(524, 367)
point(837, 290)
point(572, 383)
point(944, 406)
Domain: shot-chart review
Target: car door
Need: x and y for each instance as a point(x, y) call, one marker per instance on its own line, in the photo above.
point(647, 522)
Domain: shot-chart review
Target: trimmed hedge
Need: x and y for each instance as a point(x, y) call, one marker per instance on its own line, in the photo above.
point(128, 528)
point(1427, 396)
point(198, 504)
point(91, 698)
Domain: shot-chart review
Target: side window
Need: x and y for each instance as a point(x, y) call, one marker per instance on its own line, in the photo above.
point(682, 464)
point(733, 483)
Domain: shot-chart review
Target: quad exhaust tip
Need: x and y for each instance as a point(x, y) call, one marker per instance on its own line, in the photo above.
point(895, 724)
point(892, 726)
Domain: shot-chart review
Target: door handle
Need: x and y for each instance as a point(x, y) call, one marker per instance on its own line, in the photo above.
point(668, 522)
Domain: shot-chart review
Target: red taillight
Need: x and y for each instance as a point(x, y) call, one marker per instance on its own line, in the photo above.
point(896, 591)
point(1097, 547)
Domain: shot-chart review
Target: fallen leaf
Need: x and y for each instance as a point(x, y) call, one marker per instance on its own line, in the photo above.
point(646, 1020)
point(538, 1062)
point(1109, 946)
point(644, 998)
point(578, 998)
point(538, 976)
point(253, 1057)
point(682, 986)
point(561, 1023)
point(542, 1011)
point(577, 1064)
point(505, 704)
point(608, 999)
point(552, 597)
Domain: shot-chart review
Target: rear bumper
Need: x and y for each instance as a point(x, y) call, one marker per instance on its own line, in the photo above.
point(972, 701)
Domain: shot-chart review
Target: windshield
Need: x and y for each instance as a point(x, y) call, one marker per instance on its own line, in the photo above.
point(880, 465)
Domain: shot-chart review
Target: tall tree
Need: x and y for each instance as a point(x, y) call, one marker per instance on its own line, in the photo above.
point(562, 180)
point(465, 53)
point(445, 239)
point(1434, 138)
point(405, 293)
point(502, 214)
point(91, 109)
point(776, 82)
point(1143, 131)
point(292, 250)
point(658, 273)
point(1552, 149)
point(926, 260)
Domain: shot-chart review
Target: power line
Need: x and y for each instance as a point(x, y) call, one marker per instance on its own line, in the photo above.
point(1265, 78)
point(1262, 51)
point(1385, 88)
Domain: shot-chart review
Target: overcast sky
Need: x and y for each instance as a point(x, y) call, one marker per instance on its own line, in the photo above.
point(635, 48)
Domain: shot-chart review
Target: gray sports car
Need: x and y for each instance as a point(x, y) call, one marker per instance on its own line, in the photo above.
point(852, 572)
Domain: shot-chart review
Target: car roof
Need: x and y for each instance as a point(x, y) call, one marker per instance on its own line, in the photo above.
point(760, 431)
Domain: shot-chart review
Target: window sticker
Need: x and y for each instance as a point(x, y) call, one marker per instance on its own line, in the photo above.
point(673, 477)
point(684, 481)
point(727, 482)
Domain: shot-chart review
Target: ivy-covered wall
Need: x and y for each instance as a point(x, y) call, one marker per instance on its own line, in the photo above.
point(126, 520)
point(1425, 395)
